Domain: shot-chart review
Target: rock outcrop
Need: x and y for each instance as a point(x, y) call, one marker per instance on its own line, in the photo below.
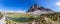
point(36, 8)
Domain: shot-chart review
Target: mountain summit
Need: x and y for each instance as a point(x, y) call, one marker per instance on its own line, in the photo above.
point(38, 10)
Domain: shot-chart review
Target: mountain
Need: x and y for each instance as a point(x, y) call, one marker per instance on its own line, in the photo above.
point(38, 10)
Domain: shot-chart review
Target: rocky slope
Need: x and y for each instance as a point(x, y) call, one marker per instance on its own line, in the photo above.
point(38, 10)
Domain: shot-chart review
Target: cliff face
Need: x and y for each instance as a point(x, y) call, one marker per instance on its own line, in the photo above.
point(38, 9)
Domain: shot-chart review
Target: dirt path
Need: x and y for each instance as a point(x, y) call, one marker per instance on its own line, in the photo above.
point(56, 22)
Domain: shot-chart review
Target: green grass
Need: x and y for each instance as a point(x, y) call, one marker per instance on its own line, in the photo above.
point(26, 18)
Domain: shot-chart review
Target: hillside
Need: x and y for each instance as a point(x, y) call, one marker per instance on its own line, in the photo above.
point(41, 15)
point(51, 16)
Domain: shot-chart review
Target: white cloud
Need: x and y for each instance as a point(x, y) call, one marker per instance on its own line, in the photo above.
point(58, 3)
point(57, 6)
point(20, 11)
point(9, 11)
point(1, 10)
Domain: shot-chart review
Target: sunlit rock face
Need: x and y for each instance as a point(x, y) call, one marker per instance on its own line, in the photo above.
point(39, 10)
point(2, 19)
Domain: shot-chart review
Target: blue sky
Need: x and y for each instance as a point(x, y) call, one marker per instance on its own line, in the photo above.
point(24, 5)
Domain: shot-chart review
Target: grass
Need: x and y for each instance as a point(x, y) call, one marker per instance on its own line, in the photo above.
point(25, 18)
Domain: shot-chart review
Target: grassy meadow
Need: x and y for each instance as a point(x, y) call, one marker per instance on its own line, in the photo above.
point(22, 18)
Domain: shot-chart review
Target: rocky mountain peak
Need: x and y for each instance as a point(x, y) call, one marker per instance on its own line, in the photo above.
point(36, 8)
